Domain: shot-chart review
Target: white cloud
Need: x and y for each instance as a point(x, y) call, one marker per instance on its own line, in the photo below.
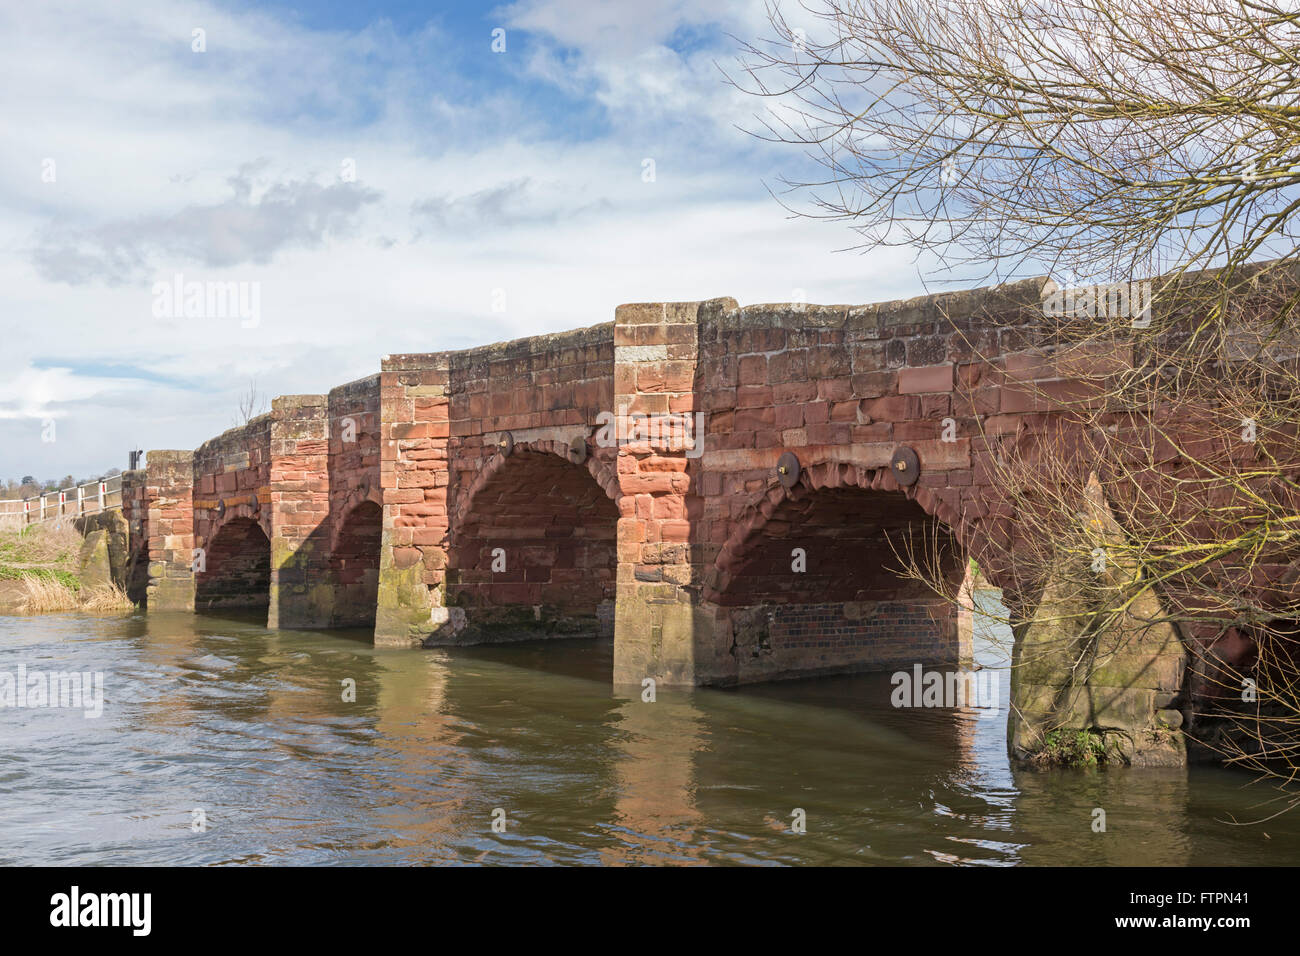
point(464, 185)
point(240, 229)
point(623, 53)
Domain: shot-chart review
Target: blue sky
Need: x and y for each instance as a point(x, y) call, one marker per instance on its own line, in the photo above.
point(382, 178)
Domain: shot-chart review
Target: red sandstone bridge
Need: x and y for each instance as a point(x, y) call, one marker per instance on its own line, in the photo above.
point(556, 485)
point(520, 489)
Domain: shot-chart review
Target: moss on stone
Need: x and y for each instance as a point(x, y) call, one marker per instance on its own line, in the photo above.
point(171, 594)
point(1076, 748)
point(403, 605)
point(1078, 669)
point(94, 568)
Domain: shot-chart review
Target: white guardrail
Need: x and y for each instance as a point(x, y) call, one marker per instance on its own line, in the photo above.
point(87, 499)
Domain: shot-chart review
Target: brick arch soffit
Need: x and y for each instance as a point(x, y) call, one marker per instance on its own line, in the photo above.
point(824, 475)
point(262, 519)
point(353, 500)
point(603, 471)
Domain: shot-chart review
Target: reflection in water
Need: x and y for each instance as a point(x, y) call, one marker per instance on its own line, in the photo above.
point(252, 727)
point(652, 750)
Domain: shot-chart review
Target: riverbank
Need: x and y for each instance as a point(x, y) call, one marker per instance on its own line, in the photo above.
point(47, 568)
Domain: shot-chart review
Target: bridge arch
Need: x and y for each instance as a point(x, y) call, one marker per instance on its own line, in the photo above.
point(603, 471)
point(235, 567)
point(809, 582)
point(822, 476)
point(533, 546)
point(210, 524)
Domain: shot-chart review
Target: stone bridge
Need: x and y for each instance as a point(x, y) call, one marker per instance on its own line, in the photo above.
point(721, 489)
point(283, 513)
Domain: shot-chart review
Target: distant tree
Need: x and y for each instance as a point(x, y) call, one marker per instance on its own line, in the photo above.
point(26, 488)
point(251, 403)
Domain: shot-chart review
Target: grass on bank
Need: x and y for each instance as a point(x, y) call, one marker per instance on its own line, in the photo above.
point(43, 594)
point(42, 562)
point(41, 545)
point(54, 575)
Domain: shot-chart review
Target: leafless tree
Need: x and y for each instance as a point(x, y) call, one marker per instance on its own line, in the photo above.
point(1101, 138)
point(252, 403)
point(1101, 142)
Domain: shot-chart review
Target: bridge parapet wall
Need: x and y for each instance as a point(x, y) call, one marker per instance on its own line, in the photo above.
point(232, 478)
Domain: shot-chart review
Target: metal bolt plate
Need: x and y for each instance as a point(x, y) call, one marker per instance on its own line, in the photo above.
point(787, 469)
point(506, 444)
point(578, 450)
point(905, 466)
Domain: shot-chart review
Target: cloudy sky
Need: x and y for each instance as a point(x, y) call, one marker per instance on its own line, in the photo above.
point(381, 180)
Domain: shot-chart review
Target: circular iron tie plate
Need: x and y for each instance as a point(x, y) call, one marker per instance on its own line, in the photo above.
point(578, 450)
point(221, 507)
point(787, 469)
point(905, 466)
point(506, 444)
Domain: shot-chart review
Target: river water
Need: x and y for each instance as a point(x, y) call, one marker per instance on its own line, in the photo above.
point(251, 728)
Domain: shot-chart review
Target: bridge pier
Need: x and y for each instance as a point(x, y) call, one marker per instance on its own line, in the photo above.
point(168, 506)
point(660, 626)
point(301, 594)
point(414, 476)
point(1118, 683)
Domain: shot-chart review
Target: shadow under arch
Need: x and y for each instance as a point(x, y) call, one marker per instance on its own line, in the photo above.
point(236, 569)
point(809, 582)
point(353, 565)
point(533, 547)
